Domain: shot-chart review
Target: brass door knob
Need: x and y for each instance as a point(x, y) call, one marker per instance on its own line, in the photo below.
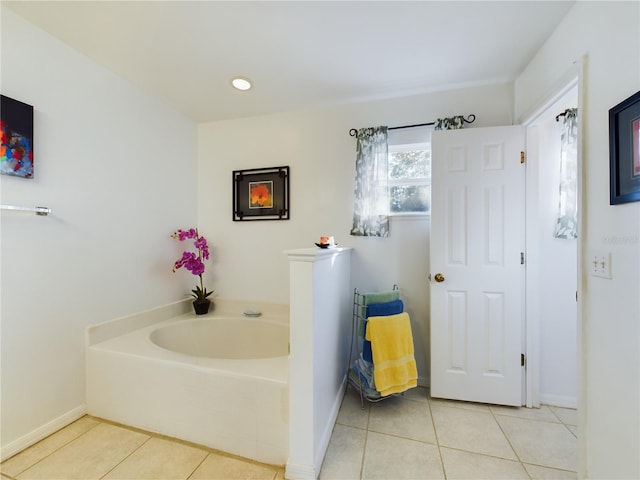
point(439, 277)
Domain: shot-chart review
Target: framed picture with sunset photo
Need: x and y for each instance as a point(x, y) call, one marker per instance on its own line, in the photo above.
point(624, 151)
point(261, 194)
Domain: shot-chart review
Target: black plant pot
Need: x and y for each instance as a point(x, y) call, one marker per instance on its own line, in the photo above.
point(201, 307)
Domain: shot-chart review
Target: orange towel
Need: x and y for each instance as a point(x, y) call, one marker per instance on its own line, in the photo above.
point(394, 365)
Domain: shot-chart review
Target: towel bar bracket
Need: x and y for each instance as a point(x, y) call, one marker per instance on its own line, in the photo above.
point(41, 211)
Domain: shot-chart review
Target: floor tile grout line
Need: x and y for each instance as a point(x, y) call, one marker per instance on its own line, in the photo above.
point(176, 441)
point(54, 451)
point(522, 417)
point(496, 457)
point(517, 417)
point(395, 435)
point(435, 432)
point(126, 457)
point(208, 451)
point(366, 440)
point(561, 422)
point(552, 408)
point(518, 460)
point(548, 467)
point(200, 464)
point(555, 414)
point(351, 426)
point(513, 449)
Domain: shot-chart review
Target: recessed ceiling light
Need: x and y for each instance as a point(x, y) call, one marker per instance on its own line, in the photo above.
point(240, 83)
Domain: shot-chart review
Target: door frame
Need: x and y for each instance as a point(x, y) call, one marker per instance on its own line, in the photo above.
point(574, 77)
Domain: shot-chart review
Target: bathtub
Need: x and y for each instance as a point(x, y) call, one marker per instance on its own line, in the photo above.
point(219, 380)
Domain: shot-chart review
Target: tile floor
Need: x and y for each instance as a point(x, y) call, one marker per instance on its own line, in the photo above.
point(418, 437)
point(91, 448)
point(409, 437)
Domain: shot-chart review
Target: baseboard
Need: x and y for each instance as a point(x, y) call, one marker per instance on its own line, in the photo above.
point(424, 382)
point(300, 472)
point(328, 431)
point(311, 472)
point(44, 431)
point(558, 400)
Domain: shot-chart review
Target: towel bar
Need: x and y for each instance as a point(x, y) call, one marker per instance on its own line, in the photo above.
point(42, 211)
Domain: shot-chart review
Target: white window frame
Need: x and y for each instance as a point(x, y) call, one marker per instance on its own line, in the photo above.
point(421, 181)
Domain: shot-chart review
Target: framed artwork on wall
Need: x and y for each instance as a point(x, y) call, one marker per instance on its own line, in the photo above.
point(624, 151)
point(261, 194)
point(16, 132)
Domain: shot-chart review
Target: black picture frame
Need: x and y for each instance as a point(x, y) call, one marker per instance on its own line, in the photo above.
point(261, 194)
point(624, 151)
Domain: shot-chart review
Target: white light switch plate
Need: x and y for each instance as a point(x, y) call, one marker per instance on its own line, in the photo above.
point(600, 264)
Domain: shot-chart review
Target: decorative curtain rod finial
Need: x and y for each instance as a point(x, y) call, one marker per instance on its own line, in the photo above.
point(569, 111)
point(460, 118)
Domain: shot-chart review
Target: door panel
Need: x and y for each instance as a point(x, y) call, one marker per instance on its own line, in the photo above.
point(477, 236)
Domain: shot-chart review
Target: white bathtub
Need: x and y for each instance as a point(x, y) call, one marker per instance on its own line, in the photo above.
point(224, 337)
point(217, 380)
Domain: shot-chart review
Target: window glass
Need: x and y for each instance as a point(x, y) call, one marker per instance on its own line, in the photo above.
point(409, 164)
point(410, 178)
point(410, 199)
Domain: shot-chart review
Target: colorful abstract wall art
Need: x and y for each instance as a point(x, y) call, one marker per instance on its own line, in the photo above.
point(16, 132)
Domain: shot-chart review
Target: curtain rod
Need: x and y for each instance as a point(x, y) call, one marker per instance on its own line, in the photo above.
point(354, 132)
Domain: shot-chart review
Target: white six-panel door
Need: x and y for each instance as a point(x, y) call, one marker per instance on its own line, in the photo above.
point(477, 277)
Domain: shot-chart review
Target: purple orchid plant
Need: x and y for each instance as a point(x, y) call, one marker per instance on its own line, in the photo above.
point(192, 261)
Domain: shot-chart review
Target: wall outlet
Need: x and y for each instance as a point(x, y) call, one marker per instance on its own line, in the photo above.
point(600, 264)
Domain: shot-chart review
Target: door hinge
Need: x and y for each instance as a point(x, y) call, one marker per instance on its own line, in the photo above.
point(521, 157)
point(522, 359)
point(521, 258)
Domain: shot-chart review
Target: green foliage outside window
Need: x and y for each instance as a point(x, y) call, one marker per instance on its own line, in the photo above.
point(410, 164)
point(409, 178)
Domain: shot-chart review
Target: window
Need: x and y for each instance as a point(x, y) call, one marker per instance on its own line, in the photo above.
point(410, 178)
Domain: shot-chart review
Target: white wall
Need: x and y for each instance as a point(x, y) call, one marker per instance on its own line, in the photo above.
point(320, 320)
point(609, 401)
point(248, 258)
point(119, 171)
point(104, 252)
point(557, 276)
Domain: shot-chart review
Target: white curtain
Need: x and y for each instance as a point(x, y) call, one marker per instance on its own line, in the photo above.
point(567, 222)
point(371, 206)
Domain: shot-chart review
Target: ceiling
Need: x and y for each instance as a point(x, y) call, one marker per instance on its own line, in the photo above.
point(299, 54)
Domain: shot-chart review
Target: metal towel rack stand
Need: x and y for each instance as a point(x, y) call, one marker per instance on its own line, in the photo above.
point(42, 211)
point(358, 319)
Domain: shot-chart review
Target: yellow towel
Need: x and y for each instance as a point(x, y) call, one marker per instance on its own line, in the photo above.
point(394, 366)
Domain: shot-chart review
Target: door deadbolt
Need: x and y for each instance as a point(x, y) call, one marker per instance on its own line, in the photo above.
point(439, 277)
